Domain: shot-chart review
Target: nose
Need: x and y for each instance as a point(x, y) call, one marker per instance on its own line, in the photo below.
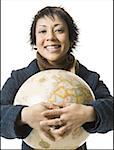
point(51, 36)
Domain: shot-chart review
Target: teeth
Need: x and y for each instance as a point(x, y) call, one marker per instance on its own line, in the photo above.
point(52, 47)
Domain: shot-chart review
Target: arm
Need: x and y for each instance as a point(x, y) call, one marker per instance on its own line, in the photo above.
point(9, 113)
point(103, 105)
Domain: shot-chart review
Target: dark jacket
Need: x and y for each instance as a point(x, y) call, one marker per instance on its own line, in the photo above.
point(9, 113)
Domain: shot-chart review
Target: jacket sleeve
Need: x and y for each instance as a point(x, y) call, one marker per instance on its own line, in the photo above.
point(9, 112)
point(103, 106)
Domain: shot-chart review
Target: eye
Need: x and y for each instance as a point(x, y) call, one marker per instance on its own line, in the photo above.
point(42, 31)
point(59, 30)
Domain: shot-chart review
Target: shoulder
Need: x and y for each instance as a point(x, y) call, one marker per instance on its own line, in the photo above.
point(91, 77)
point(20, 75)
point(32, 68)
point(16, 79)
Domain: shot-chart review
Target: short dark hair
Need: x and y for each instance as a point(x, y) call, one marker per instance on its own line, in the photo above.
point(60, 12)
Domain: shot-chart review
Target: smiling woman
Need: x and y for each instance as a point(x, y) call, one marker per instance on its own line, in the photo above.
point(54, 35)
point(52, 38)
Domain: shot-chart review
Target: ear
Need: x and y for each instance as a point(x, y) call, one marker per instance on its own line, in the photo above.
point(34, 47)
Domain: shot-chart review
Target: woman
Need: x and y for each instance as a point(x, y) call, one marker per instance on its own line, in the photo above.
point(53, 35)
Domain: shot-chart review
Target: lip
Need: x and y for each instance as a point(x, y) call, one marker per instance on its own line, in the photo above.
point(53, 48)
point(52, 45)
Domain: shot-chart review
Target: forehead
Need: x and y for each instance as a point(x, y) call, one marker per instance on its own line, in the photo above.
point(46, 20)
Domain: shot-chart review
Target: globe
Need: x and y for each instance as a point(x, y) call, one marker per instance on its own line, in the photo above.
point(55, 86)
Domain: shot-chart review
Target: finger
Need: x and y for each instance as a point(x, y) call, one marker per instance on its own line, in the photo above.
point(47, 131)
point(52, 113)
point(62, 131)
point(44, 126)
point(53, 122)
point(49, 135)
point(61, 104)
point(47, 105)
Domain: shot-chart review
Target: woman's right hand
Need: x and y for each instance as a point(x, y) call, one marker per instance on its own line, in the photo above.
point(32, 116)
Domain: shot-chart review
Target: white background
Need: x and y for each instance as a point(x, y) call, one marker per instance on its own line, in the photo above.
point(95, 49)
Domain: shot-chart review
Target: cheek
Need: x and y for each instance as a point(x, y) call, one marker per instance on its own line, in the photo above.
point(64, 38)
point(39, 41)
point(65, 41)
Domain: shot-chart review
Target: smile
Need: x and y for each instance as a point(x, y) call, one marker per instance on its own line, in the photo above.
point(53, 48)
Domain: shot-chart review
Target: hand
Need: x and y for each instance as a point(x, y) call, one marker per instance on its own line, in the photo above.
point(32, 116)
point(71, 117)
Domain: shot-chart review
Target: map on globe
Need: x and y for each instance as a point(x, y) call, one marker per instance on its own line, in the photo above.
point(55, 86)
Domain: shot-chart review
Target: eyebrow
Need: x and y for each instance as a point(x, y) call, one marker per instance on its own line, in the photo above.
point(46, 25)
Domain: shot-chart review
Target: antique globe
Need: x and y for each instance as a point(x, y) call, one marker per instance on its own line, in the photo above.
point(55, 86)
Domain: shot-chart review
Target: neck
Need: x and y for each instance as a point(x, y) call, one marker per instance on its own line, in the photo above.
point(66, 62)
point(58, 62)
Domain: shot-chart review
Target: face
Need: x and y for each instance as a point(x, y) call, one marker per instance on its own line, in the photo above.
point(52, 38)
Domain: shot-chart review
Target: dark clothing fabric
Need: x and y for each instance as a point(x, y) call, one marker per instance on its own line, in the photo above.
point(103, 103)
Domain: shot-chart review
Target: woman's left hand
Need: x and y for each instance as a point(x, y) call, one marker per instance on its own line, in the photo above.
point(68, 117)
